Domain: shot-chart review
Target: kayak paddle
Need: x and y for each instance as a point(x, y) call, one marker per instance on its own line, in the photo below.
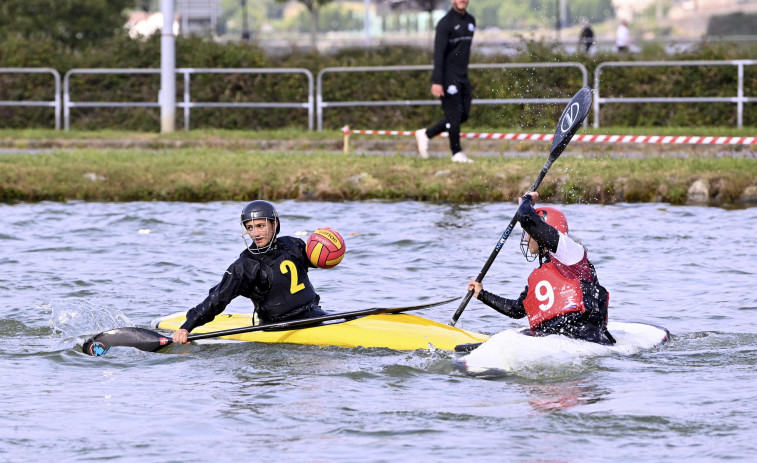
point(151, 341)
point(571, 119)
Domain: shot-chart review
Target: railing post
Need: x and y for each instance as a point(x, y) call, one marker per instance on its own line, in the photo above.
point(167, 93)
point(187, 98)
point(740, 96)
point(57, 100)
point(66, 101)
point(319, 101)
point(595, 100)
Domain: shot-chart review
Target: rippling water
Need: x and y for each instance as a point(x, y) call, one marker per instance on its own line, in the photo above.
point(68, 270)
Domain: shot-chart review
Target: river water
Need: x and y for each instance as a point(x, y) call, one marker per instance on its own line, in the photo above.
point(68, 270)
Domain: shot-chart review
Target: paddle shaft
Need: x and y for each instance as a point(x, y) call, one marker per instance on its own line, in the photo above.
point(500, 243)
point(280, 326)
point(309, 321)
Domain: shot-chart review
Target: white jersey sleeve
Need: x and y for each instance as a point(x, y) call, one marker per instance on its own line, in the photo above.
point(568, 251)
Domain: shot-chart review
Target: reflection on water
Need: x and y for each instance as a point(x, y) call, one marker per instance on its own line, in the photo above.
point(562, 395)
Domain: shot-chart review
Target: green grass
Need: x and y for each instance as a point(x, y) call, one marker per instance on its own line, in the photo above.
point(205, 174)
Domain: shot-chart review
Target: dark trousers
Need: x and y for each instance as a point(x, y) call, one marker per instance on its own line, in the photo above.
point(456, 111)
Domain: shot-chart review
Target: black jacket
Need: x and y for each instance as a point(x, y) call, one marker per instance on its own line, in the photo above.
point(276, 281)
point(454, 35)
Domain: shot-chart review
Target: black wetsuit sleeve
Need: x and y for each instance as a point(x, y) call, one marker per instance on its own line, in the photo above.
point(443, 28)
point(546, 235)
point(297, 248)
point(513, 308)
point(231, 286)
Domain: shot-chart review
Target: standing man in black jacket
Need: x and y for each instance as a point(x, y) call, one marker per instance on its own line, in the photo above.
point(454, 35)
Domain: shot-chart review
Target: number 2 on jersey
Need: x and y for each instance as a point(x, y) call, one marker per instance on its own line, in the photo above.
point(287, 266)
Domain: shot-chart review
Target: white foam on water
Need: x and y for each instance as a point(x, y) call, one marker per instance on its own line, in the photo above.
point(512, 352)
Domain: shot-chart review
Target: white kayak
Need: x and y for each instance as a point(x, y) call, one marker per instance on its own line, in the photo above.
point(512, 351)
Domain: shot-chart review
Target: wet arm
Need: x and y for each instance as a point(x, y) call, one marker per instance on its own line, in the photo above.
point(440, 46)
point(513, 308)
point(219, 297)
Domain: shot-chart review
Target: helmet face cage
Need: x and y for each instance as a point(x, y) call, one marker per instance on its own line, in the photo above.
point(555, 219)
point(260, 210)
point(525, 238)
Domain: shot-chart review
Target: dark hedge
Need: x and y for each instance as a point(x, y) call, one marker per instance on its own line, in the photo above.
point(122, 52)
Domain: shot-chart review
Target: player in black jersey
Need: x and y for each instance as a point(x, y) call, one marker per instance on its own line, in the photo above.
point(272, 272)
point(454, 35)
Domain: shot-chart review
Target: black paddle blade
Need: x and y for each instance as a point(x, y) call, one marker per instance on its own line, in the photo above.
point(572, 117)
point(470, 347)
point(139, 338)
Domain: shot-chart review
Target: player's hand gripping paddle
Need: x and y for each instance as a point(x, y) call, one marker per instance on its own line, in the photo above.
point(571, 119)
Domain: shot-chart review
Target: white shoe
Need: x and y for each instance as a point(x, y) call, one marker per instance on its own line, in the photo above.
point(461, 157)
point(422, 139)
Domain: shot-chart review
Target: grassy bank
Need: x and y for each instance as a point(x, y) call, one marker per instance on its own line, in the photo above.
point(205, 174)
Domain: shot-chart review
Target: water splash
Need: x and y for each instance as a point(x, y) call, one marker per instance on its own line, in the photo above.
point(78, 318)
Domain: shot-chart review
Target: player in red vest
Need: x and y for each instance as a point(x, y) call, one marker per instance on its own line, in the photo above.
point(563, 295)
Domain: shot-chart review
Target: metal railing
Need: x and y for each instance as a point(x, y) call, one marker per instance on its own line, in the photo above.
point(55, 103)
point(316, 104)
point(187, 104)
point(739, 99)
point(321, 104)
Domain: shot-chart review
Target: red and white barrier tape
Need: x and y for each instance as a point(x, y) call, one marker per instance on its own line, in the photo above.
point(667, 139)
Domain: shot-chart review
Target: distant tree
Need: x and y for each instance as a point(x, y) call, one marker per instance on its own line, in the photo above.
point(522, 14)
point(147, 5)
point(429, 6)
point(595, 11)
point(75, 23)
point(738, 23)
point(312, 6)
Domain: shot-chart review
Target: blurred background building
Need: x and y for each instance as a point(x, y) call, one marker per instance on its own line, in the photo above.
point(282, 25)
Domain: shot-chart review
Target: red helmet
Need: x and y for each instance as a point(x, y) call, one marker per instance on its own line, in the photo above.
point(554, 218)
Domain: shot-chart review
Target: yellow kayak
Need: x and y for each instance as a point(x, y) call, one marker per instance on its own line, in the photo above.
point(397, 331)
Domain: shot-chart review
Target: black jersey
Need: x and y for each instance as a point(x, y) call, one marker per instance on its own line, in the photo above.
point(454, 35)
point(276, 281)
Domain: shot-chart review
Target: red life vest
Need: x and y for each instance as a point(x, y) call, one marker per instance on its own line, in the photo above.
point(550, 294)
